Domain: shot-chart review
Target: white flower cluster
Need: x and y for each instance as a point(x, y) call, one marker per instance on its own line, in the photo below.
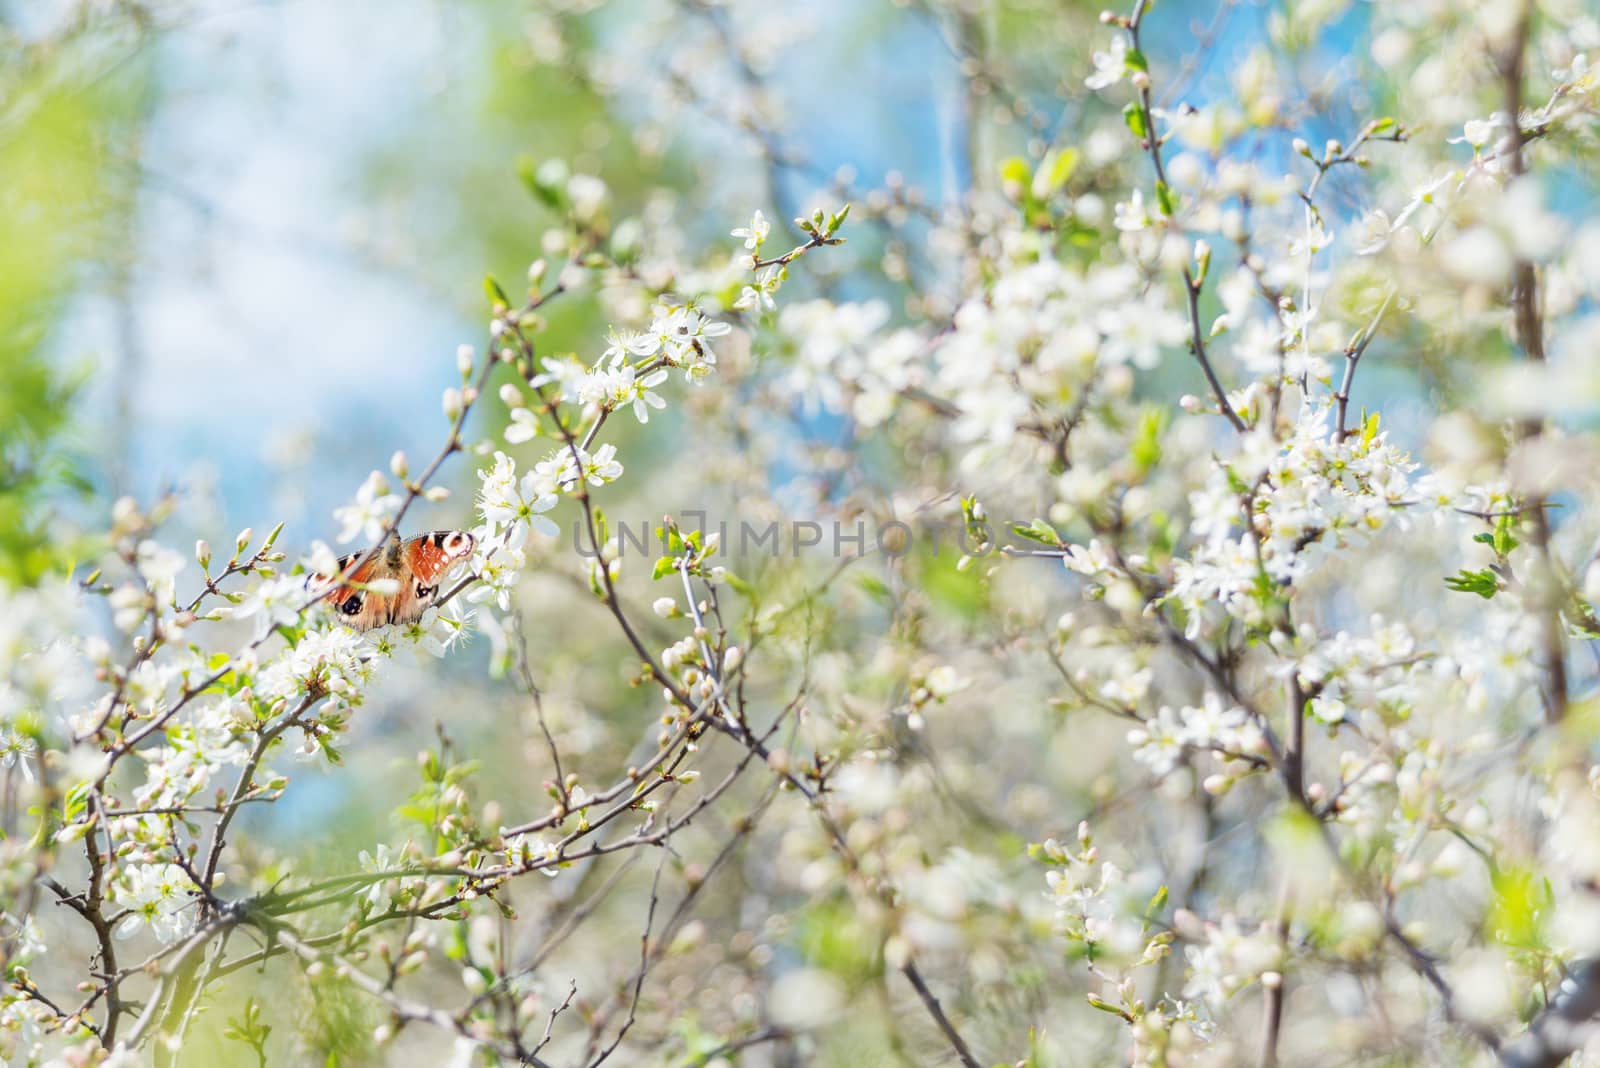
point(1224, 958)
point(158, 895)
point(325, 662)
point(1214, 726)
point(1353, 672)
point(1099, 908)
point(1307, 498)
point(633, 364)
point(511, 507)
point(1044, 335)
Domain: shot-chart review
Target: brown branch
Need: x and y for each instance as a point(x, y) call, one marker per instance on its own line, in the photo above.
point(1191, 285)
point(931, 1003)
point(1352, 356)
point(402, 1008)
point(645, 957)
point(1548, 592)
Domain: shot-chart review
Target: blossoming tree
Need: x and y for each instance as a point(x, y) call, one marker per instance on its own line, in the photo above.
point(1244, 714)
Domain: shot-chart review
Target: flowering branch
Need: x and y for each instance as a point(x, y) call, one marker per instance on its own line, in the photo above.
point(1193, 282)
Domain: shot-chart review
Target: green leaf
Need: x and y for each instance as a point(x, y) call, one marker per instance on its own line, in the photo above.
point(669, 536)
point(1166, 199)
point(1484, 583)
point(1039, 531)
point(496, 295)
point(1134, 60)
point(665, 566)
point(1105, 1006)
point(1504, 541)
point(1133, 115)
point(1521, 904)
point(1014, 177)
point(1369, 429)
point(1158, 901)
point(75, 803)
point(962, 592)
point(1581, 617)
point(875, 588)
point(832, 936)
point(1053, 171)
point(538, 183)
point(1146, 449)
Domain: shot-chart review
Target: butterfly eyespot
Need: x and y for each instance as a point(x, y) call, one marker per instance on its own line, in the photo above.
point(351, 605)
point(456, 543)
point(424, 592)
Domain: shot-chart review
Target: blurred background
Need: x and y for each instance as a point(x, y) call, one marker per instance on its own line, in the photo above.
point(240, 242)
point(254, 232)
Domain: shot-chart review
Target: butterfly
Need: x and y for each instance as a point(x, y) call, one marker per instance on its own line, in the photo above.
point(418, 564)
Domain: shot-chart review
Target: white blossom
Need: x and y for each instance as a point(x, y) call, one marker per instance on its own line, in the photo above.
point(369, 515)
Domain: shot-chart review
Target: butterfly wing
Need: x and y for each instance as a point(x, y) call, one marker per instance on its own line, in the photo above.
point(356, 606)
point(424, 562)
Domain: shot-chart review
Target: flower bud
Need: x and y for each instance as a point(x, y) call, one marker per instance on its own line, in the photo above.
point(1202, 261)
point(73, 832)
point(464, 358)
point(398, 466)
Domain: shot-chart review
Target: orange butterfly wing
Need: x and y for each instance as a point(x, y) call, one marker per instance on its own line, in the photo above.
point(417, 564)
point(357, 607)
point(425, 560)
